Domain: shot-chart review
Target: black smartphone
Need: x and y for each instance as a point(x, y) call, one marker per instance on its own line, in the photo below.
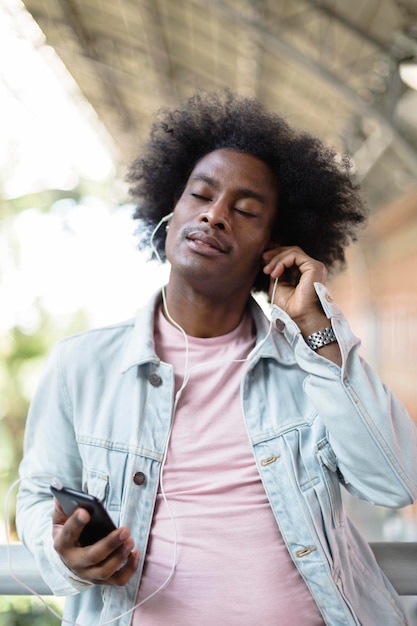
point(100, 524)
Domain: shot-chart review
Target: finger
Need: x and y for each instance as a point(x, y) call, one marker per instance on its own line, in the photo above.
point(282, 261)
point(99, 561)
point(113, 549)
point(284, 251)
point(126, 572)
point(67, 536)
point(267, 255)
point(90, 565)
point(295, 258)
point(123, 574)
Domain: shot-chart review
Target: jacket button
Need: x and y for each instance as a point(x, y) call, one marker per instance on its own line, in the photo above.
point(139, 478)
point(155, 380)
point(269, 460)
point(304, 552)
point(280, 324)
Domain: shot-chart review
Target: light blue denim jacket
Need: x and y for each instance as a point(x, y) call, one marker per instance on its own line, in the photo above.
point(101, 418)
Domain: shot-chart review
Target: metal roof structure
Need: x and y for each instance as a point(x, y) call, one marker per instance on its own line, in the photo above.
point(330, 67)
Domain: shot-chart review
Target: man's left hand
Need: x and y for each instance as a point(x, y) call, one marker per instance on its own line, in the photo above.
point(299, 298)
point(300, 301)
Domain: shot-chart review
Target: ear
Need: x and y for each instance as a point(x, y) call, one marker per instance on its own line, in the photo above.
point(167, 217)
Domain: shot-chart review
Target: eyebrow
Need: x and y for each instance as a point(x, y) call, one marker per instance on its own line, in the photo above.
point(245, 192)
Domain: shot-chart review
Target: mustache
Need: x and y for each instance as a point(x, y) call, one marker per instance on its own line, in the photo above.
point(207, 232)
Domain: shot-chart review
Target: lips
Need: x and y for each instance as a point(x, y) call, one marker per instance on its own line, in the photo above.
point(211, 241)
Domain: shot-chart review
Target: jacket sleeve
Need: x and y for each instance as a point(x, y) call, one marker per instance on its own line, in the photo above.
point(50, 451)
point(372, 435)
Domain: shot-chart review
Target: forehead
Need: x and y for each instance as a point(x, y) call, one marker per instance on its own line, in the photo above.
point(229, 167)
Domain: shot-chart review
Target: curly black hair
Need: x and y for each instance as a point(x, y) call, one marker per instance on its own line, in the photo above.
point(319, 204)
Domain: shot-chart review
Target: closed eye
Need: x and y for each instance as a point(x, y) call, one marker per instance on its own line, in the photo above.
point(200, 197)
point(244, 213)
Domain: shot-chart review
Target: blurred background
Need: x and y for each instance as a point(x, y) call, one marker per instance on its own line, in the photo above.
point(79, 83)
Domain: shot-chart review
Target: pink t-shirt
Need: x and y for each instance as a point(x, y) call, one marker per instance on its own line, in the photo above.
point(232, 565)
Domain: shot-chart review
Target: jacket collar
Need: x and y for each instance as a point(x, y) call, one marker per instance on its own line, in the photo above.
point(141, 344)
point(140, 347)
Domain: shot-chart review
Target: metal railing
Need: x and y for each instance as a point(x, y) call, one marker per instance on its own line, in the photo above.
point(397, 559)
point(24, 568)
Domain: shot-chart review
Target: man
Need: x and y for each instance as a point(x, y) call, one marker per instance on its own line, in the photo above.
point(218, 441)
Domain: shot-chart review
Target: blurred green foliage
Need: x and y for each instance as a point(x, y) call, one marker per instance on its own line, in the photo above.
point(23, 350)
point(27, 611)
point(22, 356)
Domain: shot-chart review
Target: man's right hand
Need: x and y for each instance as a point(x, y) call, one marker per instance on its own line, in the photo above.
point(110, 561)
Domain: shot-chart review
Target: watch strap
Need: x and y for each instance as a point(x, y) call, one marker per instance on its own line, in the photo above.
point(321, 338)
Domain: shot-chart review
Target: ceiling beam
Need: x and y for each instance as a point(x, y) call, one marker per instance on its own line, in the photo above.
point(110, 95)
point(320, 7)
point(157, 52)
point(358, 106)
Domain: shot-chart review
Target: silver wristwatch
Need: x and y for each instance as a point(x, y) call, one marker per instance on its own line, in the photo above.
point(321, 338)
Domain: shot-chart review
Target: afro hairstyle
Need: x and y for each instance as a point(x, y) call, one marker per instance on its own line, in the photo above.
point(319, 205)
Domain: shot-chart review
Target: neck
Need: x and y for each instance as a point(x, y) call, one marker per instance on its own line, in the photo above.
point(204, 316)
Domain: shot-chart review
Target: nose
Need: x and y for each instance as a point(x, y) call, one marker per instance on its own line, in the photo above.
point(216, 214)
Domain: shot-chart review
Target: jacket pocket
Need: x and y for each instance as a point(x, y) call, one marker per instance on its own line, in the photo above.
point(96, 483)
